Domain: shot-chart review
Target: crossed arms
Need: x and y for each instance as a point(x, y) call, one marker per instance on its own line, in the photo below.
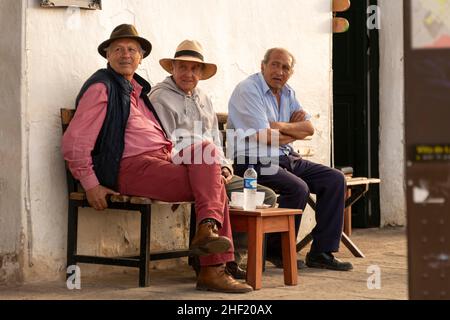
point(296, 129)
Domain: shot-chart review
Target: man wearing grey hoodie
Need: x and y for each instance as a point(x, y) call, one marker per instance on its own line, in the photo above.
point(188, 117)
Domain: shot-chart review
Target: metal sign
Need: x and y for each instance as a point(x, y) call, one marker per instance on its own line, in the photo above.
point(84, 4)
point(427, 140)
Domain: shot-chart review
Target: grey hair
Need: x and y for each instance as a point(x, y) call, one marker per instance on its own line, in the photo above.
point(271, 50)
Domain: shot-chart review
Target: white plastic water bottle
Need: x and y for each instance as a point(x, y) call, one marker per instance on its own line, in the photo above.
point(250, 182)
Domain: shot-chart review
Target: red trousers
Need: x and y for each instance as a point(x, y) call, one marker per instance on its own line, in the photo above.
point(154, 175)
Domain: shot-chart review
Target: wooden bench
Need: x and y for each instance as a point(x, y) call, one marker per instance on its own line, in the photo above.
point(77, 199)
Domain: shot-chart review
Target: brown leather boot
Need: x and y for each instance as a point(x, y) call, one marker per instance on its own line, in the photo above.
point(217, 279)
point(236, 271)
point(207, 240)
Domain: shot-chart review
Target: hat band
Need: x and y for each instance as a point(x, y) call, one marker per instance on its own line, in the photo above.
point(189, 53)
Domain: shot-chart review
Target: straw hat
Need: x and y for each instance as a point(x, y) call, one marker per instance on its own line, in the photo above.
point(190, 50)
point(125, 31)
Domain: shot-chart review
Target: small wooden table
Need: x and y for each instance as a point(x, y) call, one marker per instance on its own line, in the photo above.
point(258, 222)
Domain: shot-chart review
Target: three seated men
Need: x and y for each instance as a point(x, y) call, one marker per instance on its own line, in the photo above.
point(124, 138)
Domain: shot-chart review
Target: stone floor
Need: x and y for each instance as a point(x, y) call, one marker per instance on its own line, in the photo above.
point(385, 251)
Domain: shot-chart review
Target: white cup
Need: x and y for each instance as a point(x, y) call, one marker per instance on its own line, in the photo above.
point(237, 199)
point(260, 198)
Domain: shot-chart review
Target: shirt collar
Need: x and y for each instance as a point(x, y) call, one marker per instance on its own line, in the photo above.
point(284, 91)
point(136, 87)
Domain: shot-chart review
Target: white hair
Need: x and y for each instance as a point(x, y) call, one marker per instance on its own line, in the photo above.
point(269, 53)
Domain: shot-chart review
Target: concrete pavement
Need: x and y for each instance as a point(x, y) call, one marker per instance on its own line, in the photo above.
point(386, 260)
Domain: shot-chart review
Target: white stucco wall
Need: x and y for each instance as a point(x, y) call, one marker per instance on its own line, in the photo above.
point(61, 53)
point(392, 158)
point(11, 204)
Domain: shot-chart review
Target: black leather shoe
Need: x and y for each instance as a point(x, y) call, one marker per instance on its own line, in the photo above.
point(326, 261)
point(237, 272)
point(278, 263)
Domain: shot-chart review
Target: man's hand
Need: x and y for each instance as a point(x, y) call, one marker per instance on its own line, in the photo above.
point(276, 125)
point(297, 129)
point(226, 175)
point(97, 197)
point(298, 116)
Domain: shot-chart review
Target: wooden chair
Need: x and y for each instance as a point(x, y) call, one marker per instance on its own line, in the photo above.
point(143, 206)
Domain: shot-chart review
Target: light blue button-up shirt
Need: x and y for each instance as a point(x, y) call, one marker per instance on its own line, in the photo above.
point(252, 107)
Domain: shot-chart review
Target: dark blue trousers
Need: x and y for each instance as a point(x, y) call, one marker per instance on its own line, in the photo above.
point(293, 179)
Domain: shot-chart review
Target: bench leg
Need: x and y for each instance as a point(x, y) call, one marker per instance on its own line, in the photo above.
point(348, 215)
point(144, 257)
point(289, 253)
point(351, 246)
point(304, 242)
point(72, 234)
point(255, 252)
point(193, 261)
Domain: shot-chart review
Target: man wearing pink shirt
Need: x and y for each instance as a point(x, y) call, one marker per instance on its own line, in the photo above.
point(115, 143)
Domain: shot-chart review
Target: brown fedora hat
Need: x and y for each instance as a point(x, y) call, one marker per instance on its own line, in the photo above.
point(125, 31)
point(190, 50)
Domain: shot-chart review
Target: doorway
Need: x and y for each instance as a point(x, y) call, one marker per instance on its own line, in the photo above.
point(356, 106)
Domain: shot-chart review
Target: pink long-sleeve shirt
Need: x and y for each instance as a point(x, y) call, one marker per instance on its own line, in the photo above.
point(142, 133)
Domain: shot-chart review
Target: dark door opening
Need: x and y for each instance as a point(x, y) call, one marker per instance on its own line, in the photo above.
point(356, 106)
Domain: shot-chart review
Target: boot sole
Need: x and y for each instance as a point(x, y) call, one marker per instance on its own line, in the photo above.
point(220, 245)
point(202, 288)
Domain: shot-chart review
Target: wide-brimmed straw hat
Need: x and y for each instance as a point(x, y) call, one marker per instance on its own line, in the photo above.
point(125, 31)
point(190, 50)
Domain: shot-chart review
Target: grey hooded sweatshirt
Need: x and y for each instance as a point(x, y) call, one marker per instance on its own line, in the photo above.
point(187, 119)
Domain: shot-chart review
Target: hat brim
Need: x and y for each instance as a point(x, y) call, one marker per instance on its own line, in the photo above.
point(145, 44)
point(209, 69)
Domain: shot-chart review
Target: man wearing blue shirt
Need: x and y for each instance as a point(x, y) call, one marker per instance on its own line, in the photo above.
point(266, 118)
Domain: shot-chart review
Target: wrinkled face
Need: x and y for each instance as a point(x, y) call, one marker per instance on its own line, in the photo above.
point(187, 74)
point(124, 56)
point(278, 70)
